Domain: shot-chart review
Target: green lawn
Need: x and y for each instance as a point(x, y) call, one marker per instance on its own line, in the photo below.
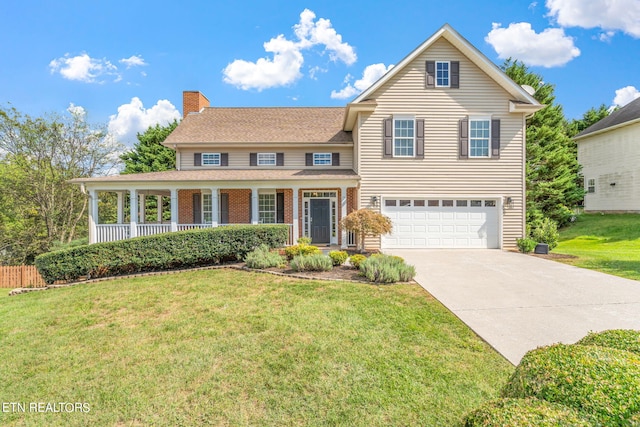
point(609, 243)
point(223, 347)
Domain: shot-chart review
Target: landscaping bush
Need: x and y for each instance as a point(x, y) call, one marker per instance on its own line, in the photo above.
point(387, 269)
point(622, 339)
point(545, 231)
point(602, 382)
point(304, 240)
point(262, 257)
point(356, 260)
point(525, 412)
point(159, 252)
point(338, 257)
point(301, 249)
point(313, 262)
point(526, 245)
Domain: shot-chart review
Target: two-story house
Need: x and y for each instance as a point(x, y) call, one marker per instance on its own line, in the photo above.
point(437, 144)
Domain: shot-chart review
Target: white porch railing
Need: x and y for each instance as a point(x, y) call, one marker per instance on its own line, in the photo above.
point(112, 232)
point(151, 229)
point(184, 227)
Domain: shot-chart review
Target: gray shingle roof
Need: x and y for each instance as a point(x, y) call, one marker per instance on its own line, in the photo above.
point(262, 125)
point(629, 112)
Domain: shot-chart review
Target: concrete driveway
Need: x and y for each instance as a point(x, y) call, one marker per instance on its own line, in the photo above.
point(518, 302)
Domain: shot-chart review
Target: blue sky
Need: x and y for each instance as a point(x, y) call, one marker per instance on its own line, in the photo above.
point(127, 63)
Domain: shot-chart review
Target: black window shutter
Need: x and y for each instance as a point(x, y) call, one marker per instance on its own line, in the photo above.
point(388, 137)
point(308, 159)
point(431, 74)
point(420, 138)
point(495, 138)
point(197, 209)
point(455, 75)
point(335, 159)
point(464, 138)
point(251, 207)
point(197, 159)
point(280, 208)
point(224, 159)
point(279, 159)
point(253, 159)
point(224, 208)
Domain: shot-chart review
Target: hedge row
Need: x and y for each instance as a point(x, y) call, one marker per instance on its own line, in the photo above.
point(526, 412)
point(159, 252)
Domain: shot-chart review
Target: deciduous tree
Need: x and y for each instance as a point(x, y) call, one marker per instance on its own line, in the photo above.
point(365, 222)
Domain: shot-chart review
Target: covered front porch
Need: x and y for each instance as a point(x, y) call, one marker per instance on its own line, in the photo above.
point(146, 207)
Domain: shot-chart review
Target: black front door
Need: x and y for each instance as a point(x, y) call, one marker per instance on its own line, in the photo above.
point(320, 221)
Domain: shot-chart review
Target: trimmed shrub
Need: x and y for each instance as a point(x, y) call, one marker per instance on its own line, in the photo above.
point(301, 249)
point(622, 339)
point(313, 262)
point(167, 251)
point(602, 382)
point(525, 412)
point(387, 269)
point(356, 260)
point(545, 231)
point(262, 257)
point(526, 245)
point(304, 240)
point(338, 257)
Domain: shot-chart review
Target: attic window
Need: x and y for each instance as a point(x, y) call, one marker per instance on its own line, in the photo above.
point(442, 73)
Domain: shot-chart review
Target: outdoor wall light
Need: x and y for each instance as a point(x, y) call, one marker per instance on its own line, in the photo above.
point(613, 184)
point(374, 200)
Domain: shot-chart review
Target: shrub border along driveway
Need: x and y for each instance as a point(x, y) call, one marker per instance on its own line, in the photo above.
point(519, 302)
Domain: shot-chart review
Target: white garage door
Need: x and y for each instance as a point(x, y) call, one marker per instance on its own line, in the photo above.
point(441, 223)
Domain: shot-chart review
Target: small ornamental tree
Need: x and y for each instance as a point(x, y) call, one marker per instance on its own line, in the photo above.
point(365, 222)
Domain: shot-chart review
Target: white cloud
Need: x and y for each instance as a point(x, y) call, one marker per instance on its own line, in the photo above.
point(625, 95)
point(83, 68)
point(550, 48)
point(617, 15)
point(370, 75)
point(76, 110)
point(284, 67)
point(133, 118)
point(133, 61)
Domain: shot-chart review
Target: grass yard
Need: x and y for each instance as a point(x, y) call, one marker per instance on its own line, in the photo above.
point(224, 347)
point(609, 243)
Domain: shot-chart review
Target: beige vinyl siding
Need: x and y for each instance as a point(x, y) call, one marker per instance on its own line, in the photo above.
point(612, 157)
point(294, 158)
point(441, 173)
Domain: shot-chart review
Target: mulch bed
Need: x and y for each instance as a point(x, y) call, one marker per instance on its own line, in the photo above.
point(341, 272)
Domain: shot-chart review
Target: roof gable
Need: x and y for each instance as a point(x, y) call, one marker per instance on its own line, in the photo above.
point(624, 116)
point(460, 43)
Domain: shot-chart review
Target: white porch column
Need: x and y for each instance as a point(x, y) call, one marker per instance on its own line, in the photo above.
point(159, 205)
point(296, 217)
point(343, 213)
point(133, 204)
point(214, 207)
point(143, 208)
point(254, 206)
point(93, 216)
point(174, 209)
point(120, 213)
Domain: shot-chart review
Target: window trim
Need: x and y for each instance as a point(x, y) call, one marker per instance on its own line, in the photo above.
point(330, 156)
point(204, 162)
point(591, 186)
point(393, 136)
point(479, 119)
point(261, 161)
point(448, 73)
point(206, 208)
point(275, 206)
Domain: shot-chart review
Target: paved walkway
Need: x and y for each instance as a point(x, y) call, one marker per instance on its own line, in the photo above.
point(519, 302)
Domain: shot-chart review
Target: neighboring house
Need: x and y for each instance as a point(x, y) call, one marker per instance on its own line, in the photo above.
point(609, 152)
point(437, 144)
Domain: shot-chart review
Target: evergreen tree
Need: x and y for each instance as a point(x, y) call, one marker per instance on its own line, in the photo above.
point(554, 184)
point(592, 116)
point(149, 155)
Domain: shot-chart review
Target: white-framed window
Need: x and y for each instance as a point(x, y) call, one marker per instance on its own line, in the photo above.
point(591, 185)
point(211, 159)
point(403, 137)
point(266, 159)
point(267, 208)
point(206, 208)
point(442, 74)
point(321, 159)
point(479, 137)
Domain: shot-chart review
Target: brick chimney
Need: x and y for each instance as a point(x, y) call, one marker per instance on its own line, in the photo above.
point(192, 102)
